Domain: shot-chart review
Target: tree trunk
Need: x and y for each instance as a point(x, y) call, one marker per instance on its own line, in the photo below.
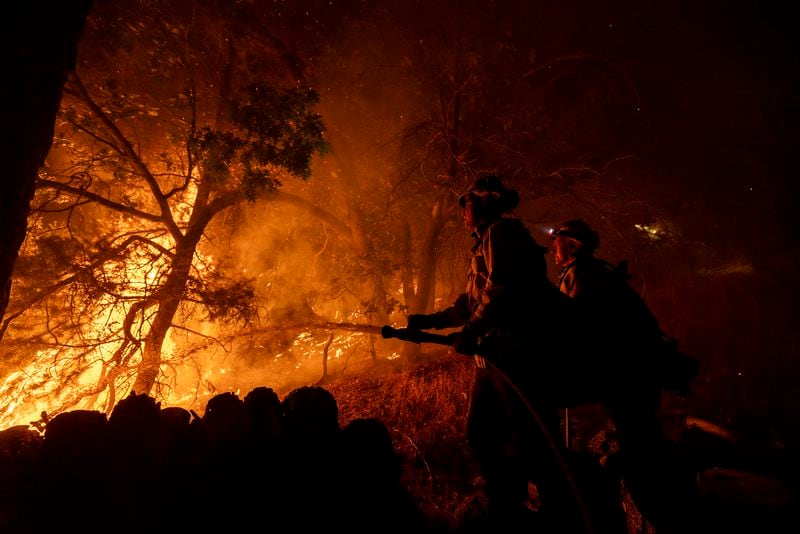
point(174, 287)
point(426, 286)
point(40, 47)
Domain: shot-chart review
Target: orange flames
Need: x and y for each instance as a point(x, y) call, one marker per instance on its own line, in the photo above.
point(39, 386)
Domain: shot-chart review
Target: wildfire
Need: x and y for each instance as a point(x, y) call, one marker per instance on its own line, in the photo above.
point(654, 232)
point(93, 369)
point(51, 383)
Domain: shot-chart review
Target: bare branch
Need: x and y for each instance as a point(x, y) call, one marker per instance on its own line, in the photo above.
point(116, 206)
point(64, 282)
point(128, 151)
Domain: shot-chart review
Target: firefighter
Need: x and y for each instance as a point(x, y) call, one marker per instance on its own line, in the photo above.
point(624, 341)
point(504, 312)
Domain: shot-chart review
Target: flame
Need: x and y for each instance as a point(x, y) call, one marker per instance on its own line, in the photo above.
point(39, 387)
point(654, 232)
point(87, 371)
point(77, 377)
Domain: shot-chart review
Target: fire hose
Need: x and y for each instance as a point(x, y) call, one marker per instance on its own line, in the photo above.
point(421, 336)
point(416, 336)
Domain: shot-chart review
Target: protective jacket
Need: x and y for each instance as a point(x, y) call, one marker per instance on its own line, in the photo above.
point(507, 283)
point(617, 323)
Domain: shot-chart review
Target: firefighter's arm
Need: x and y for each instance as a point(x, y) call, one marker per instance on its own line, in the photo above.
point(455, 315)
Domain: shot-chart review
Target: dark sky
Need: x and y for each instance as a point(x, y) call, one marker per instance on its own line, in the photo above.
point(720, 84)
point(722, 81)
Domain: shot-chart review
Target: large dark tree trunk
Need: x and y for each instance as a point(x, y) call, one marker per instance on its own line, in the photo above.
point(40, 46)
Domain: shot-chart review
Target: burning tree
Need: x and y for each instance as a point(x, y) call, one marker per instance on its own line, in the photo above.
point(152, 144)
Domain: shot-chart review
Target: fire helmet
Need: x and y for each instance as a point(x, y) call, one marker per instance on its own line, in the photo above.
point(580, 231)
point(490, 188)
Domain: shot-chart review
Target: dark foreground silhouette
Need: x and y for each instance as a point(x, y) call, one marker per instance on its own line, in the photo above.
point(245, 462)
point(271, 464)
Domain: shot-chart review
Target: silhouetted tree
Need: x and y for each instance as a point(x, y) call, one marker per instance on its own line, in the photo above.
point(39, 47)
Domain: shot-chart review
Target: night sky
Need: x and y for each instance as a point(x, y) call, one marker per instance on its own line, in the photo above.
point(719, 83)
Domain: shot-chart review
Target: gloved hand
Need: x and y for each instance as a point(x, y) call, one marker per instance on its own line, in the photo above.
point(466, 341)
point(420, 321)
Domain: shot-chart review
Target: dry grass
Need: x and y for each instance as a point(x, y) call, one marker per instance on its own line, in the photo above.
point(424, 405)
